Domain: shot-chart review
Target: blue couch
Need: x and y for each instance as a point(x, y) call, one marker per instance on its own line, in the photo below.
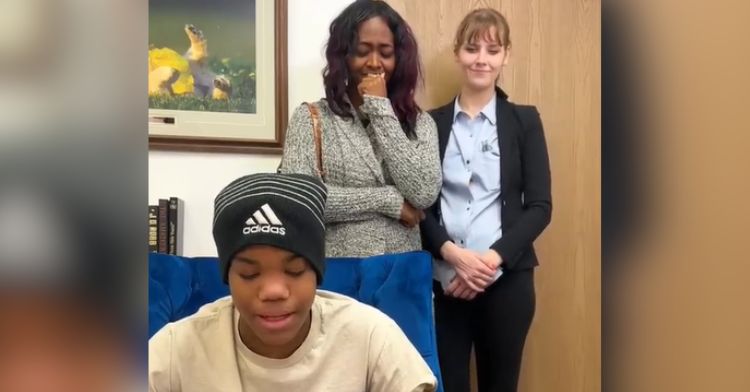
point(400, 285)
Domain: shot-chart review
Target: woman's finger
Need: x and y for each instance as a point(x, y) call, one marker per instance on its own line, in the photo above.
point(474, 286)
point(460, 292)
point(452, 287)
point(466, 294)
point(485, 270)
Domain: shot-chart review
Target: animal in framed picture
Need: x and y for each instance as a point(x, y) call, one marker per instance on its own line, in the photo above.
point(173, 74)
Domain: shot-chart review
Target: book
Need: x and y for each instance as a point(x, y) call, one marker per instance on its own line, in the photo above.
point(153, 236)
point(163, 226)
point(175, 226)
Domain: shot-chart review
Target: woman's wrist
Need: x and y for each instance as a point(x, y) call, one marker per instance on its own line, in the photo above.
point(373, 105)
point(447, 250)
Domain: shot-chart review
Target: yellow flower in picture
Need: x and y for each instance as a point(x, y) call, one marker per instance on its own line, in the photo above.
point(166, 57)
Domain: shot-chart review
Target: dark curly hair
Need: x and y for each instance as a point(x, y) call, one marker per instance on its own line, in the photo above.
point(342, 44)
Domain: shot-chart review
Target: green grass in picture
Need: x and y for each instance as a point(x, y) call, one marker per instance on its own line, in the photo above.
point(243, 99)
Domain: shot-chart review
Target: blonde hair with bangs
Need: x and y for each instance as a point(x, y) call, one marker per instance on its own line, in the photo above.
point(480, 22)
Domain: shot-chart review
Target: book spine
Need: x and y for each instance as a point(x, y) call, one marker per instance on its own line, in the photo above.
point(163, 226)
point(173, 209)
point(180, 226)
point(153, 230)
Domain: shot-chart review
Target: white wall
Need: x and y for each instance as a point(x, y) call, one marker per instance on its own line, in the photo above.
point(198, 177)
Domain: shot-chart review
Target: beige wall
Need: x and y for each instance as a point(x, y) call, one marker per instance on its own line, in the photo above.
point(555, 65)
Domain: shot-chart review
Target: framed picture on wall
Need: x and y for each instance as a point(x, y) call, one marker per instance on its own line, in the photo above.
point(217, 77)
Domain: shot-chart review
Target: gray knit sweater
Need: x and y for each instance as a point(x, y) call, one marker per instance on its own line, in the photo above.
point(369, 173)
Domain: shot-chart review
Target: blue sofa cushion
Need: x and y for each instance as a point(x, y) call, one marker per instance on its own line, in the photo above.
point(342, 276)
point(389, 283)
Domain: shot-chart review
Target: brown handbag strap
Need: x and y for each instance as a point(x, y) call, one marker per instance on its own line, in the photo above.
point(317, 139)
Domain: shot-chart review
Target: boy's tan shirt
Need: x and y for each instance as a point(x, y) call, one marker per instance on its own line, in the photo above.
point(350, 347)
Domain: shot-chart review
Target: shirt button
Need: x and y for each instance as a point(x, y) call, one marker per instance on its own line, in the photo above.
point(467, 162)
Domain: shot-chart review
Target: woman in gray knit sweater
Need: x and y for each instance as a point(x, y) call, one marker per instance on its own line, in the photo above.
point(380, 157)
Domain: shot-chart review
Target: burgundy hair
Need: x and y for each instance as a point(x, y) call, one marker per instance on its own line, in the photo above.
point(342, 43)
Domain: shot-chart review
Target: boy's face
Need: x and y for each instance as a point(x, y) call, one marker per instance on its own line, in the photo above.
point(273, 290)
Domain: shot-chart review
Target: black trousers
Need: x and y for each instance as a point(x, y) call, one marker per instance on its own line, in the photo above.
point(496, 322)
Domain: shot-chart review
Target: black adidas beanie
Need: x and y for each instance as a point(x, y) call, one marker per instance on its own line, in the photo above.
point(281, 210)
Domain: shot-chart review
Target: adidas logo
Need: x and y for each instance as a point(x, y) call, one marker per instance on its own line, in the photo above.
point(264, 221)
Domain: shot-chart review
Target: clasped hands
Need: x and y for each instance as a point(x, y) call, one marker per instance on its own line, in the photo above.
point(474, 271)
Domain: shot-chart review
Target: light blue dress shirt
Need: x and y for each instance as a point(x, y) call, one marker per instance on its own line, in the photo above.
point(471, 211)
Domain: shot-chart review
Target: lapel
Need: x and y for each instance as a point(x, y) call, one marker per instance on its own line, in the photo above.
point(507, 129)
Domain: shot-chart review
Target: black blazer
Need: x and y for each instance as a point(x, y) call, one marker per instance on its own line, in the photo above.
point(525, 183)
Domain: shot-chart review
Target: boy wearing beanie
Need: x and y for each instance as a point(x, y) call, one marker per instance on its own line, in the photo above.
point(276, 332)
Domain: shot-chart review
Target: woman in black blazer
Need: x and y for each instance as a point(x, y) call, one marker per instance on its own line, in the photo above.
point(494, 202)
